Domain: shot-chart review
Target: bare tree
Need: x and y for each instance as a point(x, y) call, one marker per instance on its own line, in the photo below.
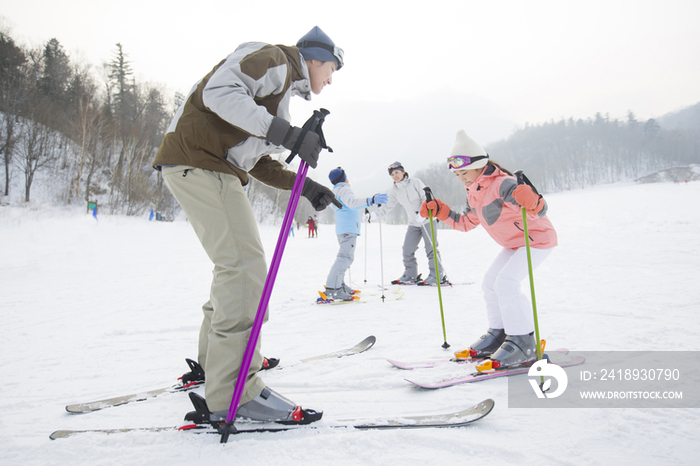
point(37, 150)
point(14, 94)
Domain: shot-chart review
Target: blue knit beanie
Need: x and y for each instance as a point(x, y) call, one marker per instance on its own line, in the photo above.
point(316, 45)
point(337, 175)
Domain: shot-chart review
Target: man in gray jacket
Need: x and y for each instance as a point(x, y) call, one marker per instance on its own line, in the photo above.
point(230, 124)
point(409, 193)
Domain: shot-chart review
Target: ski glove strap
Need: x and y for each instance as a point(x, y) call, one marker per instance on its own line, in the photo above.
point(306, 143)
point(319, 196)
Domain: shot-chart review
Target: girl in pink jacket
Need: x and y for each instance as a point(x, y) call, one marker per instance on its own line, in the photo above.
point(494, 200)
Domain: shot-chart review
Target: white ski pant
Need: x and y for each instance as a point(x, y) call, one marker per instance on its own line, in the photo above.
point(410, 245)
point(506, 305)
point(220, 213)
point(343, 261)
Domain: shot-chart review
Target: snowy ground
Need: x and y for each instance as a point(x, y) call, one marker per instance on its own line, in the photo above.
point(91, 309)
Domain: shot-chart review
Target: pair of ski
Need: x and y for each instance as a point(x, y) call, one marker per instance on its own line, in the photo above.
point(392, 295)
point(455, 419)
point(434, 285)
point(88, 407)
point(559, 357)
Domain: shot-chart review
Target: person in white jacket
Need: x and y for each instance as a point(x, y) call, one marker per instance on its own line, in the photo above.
point(409, 193)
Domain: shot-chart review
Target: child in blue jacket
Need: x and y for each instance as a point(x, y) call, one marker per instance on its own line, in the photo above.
point(347, 227)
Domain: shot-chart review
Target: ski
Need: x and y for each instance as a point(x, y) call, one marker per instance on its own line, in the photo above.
point(91, 406)
point(394, 290)
point(421, 283)
point(454, 419)
point(393, 296)
point(427, 364)
point(361, 347)
point(559, 358)
point(444, 285)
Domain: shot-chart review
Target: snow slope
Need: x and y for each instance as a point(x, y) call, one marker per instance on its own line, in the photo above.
point(92, 309)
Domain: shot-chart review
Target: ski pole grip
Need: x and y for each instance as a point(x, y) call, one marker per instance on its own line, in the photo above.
point(522, 179)
point(314, 123)
point(428, 194)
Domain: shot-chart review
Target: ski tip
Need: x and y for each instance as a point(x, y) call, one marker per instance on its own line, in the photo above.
point(485, 406)
point(399, 364)
point(59, 434)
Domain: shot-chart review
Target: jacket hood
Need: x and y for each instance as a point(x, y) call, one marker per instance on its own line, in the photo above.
point(486, 177)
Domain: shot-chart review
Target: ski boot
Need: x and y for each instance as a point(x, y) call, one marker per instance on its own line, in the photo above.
point(336, 294)
point(349, 290)
point(516, 350)
point(268, 406)
point(432, 280)
point(485, 345)
point(407, 280)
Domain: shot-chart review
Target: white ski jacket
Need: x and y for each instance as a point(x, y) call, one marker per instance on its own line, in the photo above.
point(409, 193)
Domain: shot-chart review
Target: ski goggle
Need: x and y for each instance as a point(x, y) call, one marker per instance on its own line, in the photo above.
point(335, 50)
point(462, 162)
point(395, 166)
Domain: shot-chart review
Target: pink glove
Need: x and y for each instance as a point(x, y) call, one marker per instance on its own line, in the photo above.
point(440, 210)
point(526, 197)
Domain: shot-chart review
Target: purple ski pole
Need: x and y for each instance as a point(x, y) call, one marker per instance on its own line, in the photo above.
point(312, 124)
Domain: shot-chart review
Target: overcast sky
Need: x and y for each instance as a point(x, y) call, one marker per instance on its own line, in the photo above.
point(416, 72)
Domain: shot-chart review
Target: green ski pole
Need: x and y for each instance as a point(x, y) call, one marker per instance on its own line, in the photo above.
point(522, 180)
point(428, 198)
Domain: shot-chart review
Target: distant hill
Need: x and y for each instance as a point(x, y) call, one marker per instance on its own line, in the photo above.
point(675, 174)
point(685, 119)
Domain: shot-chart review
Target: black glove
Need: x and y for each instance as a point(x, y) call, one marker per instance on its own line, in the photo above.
point(281, 133)
point(319, 196)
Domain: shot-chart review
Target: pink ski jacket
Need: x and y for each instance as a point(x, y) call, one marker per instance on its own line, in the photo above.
point(490, 203)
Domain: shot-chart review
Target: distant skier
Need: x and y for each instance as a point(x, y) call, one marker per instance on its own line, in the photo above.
point(348, 220)
point(494, 200)
point(409, 193)
point(311, 224)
